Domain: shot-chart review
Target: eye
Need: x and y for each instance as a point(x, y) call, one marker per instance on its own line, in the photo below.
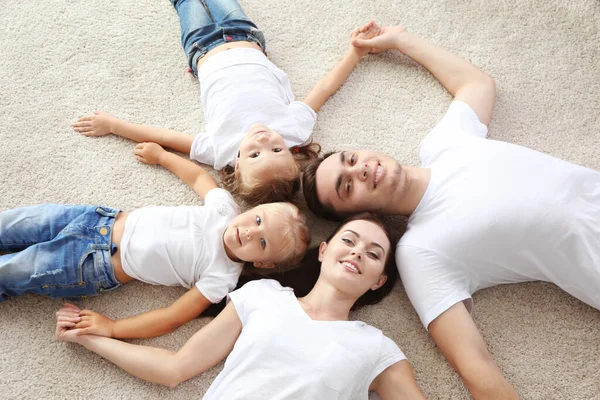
point(258, 220)
point(277, 150)
point(263, 243)
point(348, 187)
point(373, 255)
point(352, 159)
point(348, 241)
point(255, 154)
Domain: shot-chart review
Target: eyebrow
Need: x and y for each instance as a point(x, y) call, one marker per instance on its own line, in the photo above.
point(373, 243)
point(338, 183)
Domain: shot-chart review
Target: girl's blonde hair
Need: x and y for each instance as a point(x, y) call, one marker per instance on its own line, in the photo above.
point(295, 238)
point(279, 188)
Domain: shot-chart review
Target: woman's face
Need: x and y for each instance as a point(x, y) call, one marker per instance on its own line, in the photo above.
point(354, 259)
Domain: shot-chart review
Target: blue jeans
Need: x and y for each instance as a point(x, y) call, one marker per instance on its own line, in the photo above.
point(57, 250)
point(206, 24)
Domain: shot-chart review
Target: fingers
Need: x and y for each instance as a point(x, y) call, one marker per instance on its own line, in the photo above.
point(83, 324)
point(141, 159)
point(86, 313)
point(70, 305)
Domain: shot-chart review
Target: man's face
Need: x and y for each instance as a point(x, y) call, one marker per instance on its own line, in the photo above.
point(359, 180)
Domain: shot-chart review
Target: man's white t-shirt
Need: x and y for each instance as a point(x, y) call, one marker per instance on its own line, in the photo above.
point(183, 246)
point(497, 213)
point(239, 88)
point(282, 353)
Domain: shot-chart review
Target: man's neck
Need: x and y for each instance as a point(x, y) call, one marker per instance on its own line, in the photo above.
point(415, 185)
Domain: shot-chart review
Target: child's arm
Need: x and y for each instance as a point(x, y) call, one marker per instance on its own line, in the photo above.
point(327, 86)
point(100, 124)
point(188, 171)
point(202, 351)
point(149, 324)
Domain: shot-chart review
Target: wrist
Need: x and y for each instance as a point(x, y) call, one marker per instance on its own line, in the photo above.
point(353, 55)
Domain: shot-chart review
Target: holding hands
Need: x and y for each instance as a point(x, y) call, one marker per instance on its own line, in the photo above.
point(72, 322)
point(371, 38)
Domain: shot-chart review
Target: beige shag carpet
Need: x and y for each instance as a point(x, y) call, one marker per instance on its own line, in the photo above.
point(62, 59)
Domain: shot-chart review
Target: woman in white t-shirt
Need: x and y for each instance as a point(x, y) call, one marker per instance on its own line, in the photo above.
point(255, 132)
point(279, 346)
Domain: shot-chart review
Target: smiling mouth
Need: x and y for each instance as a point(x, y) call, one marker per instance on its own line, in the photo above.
point(237, 236)
point(377, 174)
point(260, 131)
point(351, 267)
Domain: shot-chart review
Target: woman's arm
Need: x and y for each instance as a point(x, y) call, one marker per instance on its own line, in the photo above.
point(462, 79)
point(205, 349)
point(188, 171)
point(397, 382)
point(100, 124)
point(149, 324)
point(327, 86)
point(457, 337)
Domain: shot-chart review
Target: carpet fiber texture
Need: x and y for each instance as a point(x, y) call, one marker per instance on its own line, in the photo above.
point(63, 59)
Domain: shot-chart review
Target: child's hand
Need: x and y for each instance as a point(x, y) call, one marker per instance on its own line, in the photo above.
point(149, 153)
point(385, 39)
point(94, 323)
point(367, 31)
point(66, 319)
point(97, 124)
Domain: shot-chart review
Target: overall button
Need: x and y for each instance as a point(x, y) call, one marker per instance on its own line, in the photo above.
point(103, 231)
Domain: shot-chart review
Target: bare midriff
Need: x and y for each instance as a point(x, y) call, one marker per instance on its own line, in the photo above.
point(227, 46)
point(117, 235)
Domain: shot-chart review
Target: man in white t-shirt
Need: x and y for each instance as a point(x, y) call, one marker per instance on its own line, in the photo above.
point(481, 213)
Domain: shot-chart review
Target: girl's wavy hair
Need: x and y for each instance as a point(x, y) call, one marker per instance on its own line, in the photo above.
point(277, 189)
point(303, 278)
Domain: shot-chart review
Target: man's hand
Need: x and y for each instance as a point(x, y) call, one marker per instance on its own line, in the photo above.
point(149, 153)
point(386, 38)
point(94, 323)
point(367, 31)
point(97, 124)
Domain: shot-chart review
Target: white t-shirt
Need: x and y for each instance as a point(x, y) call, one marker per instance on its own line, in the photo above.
point(496, 213)
point(183, 245)
point(282, 353)
point(239, 88)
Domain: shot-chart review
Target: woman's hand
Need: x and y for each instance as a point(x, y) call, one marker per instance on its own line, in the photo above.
point(66, 319)
point(97, 124)
point(149, 153)
point(386, 38)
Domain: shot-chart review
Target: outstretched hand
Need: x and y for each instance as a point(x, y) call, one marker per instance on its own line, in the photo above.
point(66, 319)
point(385, 39)
point(148, 153)
point(365, 32)
point(96, 124)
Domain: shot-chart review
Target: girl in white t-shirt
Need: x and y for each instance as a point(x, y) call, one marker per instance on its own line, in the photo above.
point(279, 346)
point(74, 251)
point(255, 131)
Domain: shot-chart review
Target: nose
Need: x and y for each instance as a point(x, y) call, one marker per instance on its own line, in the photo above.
point(249, 233)
point(356, 253)
point(362, 172)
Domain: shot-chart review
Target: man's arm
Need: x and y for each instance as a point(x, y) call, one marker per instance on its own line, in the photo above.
point(457, 337)
point(149, 324)
point(204, 350)
point(100, 123)
point(327, 86)
point(461, 78)
point(397, 382)
point(188, 171)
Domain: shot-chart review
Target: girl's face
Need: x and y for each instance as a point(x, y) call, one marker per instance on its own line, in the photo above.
point(255, 236)
point(262, 153)
point(354, 259)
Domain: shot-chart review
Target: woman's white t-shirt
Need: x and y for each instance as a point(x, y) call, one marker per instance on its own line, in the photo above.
point(183, 245)
point(282, 353)
point(239, 88)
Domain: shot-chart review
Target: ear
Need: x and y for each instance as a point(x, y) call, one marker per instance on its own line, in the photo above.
point(382, 279)
point(322, 248)
point(259, 264)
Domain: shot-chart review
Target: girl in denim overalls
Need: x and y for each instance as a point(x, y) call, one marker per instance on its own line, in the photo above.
point(255, 131)
point(73, 250)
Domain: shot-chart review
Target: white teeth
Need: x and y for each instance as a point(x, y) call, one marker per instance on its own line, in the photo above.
point(349, 265)
point(378, 174)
